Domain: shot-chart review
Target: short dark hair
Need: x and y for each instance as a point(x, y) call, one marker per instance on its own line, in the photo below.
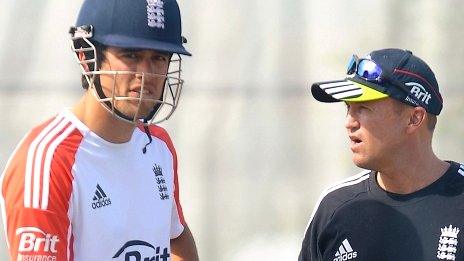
point(431, 121)
point(99, 48)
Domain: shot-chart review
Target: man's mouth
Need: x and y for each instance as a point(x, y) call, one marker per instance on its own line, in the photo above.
point(137, 93)
point(355, 142)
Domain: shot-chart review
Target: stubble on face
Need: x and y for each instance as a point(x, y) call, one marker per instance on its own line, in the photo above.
point(376, 130)
point(135, 107)
point(130, 85)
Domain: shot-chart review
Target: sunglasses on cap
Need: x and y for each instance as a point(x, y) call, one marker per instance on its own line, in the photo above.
point(368, 70)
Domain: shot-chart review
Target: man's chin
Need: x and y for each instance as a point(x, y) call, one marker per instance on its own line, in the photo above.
point(361, 162)
point(141, 113)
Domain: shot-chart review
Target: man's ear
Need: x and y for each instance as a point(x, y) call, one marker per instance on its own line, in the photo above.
point(416, 119)
point(81, 56)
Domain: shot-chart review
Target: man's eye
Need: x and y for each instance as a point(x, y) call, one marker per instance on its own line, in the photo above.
point(129, 55)
point(160, 58)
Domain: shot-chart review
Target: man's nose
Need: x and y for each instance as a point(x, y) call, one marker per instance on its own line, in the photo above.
point(351, 123)
point(145, 65)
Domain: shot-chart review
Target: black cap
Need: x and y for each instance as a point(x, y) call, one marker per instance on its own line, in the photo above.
point(407, 78)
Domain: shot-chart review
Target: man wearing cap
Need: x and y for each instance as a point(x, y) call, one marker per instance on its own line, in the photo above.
point(100, 181)
point(408, 204)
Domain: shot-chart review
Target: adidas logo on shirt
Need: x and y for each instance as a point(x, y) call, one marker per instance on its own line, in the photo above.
point(100, 199)
point(345, 252)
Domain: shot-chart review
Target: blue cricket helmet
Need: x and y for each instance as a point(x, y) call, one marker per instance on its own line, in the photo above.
point(138, 24)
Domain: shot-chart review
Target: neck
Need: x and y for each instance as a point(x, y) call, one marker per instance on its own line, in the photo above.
point(100, 121)
point(413, 172)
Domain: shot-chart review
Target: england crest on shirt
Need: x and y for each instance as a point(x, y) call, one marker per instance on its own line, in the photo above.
point(160, 182)
point(447, 245)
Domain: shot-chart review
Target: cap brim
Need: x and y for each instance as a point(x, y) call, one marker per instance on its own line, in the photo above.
point(344, 90)
point(139, 43)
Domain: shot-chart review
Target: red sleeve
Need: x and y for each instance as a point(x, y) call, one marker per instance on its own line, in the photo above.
point(37, 233)
point(162, 134)
point(35, 193)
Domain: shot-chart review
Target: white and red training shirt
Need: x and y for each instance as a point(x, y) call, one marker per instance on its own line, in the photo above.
point(67, 194)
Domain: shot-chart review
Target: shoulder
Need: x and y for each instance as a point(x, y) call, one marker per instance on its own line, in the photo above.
point(460, 167)
point(454, 176)
point(47, 148)
point(347, 188)
point(157, 132)
point(161, 134)
point(333, 198)
point(341, 192)
point(45, 139)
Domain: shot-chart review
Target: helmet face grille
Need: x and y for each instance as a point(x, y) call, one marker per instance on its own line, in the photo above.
point(162, 108)
point(131, 24)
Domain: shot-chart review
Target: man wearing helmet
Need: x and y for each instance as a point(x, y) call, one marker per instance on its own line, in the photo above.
point(99, 181)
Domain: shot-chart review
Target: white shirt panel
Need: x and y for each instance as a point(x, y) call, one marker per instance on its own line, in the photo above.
point(123, 199)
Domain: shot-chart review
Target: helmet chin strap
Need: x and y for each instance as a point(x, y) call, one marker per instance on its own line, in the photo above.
point(101, 95)
point(150, 139)
point(145, 125)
